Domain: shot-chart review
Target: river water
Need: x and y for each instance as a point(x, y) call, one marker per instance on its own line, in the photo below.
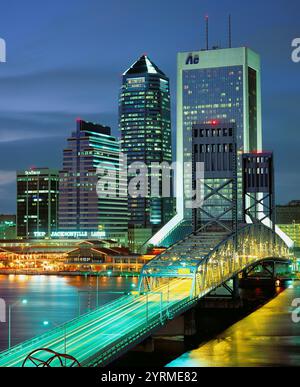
point(53, 299)
point(266, 337)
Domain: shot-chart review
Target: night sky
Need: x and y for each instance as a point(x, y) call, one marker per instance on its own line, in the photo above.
point(65, 60)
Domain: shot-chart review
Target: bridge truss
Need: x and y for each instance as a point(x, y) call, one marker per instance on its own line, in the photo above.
point(209, 261)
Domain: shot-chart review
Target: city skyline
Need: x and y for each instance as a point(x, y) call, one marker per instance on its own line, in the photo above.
point(149, 186)
point(46, 98)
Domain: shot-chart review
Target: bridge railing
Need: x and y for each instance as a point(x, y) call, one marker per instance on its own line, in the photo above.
point(53, 332)
point(139, 333)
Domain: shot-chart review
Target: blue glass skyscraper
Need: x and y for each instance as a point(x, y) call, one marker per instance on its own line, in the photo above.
point(145, 124)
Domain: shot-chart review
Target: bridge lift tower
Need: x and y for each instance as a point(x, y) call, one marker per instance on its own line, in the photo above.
point(231, 199)
point(258, 188)
point(214, 146)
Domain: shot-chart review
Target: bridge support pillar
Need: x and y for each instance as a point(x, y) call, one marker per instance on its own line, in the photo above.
point(184, 325)
point(190, 325)
point(236, 287)
point(146, 346)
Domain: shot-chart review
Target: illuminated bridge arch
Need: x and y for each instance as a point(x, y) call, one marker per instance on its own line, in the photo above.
point(211, 259)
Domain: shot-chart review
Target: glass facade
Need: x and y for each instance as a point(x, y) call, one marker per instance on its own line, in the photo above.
point(212, 96)
point(80, 207)
point(145, 124)
point(37, 202)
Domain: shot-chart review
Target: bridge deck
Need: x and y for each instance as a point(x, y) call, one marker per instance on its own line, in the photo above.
point(92, 333)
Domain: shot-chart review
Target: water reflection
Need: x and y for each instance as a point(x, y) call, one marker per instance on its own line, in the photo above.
point(267, 337)
point(52, 298)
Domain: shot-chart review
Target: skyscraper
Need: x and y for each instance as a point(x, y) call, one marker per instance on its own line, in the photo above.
point(37, 202)
point(145, 124)
point(80, 207)
point(220, 88)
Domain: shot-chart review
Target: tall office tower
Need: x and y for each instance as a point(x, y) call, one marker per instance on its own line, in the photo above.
point(145, 124)
point(220, 88)
point(81, 208)
point(37, 202)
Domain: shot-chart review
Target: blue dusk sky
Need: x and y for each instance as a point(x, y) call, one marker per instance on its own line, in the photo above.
point(65, 60)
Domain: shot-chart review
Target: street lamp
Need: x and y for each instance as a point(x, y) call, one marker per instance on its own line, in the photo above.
point(10, 308)
point(97, 289)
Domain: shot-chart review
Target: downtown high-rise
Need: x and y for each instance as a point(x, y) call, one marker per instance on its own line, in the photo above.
point(37, 202)
point(82, 208)
point(145, 125)
point(216, 89)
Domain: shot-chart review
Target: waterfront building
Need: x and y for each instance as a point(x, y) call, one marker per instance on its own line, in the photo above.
point(37, 202)
point(67, 256)
point(81, 208)
point(145, 125)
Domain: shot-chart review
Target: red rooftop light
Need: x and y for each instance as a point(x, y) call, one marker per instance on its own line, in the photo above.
point(214, 122)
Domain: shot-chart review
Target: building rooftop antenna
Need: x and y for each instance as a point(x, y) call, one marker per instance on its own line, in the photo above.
point(207, 32)
point(230, 31)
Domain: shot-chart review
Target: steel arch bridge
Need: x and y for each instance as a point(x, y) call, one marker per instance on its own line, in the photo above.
point(209, 259)
point(170, 285)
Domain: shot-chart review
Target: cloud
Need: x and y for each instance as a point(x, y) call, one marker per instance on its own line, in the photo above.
point(19, 135)
point(27, 126)
point(7, 191)
point(7, 178)
point(61, 89)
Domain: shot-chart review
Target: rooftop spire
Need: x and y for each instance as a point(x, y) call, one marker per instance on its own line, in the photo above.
point(144, 66)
